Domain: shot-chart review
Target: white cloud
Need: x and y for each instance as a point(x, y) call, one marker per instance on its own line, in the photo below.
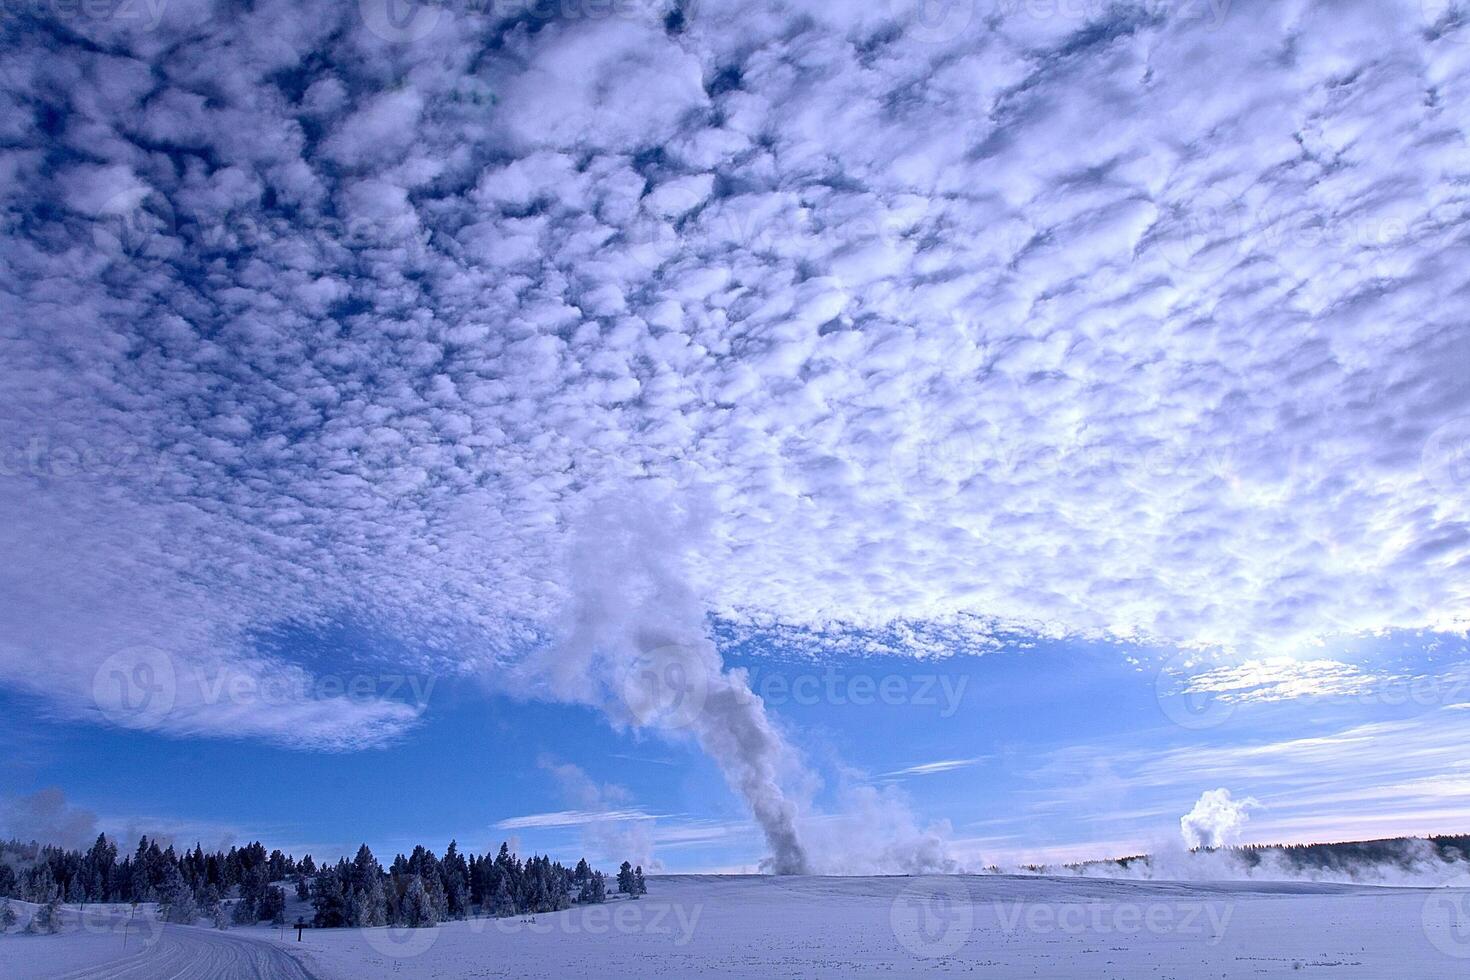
point(859, 298)
point(930, 768)
point(571, 818)
point(1281, 679)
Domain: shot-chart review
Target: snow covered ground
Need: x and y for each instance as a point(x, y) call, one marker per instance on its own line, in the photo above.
point(996, 926)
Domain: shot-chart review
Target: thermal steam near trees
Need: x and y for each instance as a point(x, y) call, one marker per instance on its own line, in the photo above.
point(638, 648)
point(636, 645)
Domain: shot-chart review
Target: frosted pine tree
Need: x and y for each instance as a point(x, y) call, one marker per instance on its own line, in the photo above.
point(625, 879)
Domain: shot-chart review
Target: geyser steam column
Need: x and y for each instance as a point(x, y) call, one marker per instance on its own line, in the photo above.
point(683, 684)
point(638, 648)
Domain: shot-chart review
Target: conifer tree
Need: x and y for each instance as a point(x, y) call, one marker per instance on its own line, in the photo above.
point(375, 904)
point(271, 905)
point(418, 908)
point(177, 897)
point(43, 883)
point(625, 879)
point(503, 903)
point(327, 901)
point(594, 890)
point(433, 886)
point(47, 918)
point(456, 882)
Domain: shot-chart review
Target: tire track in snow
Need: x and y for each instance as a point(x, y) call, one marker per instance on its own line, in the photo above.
point(191, 953)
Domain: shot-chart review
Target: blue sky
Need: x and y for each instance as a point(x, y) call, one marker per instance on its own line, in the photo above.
point(1032, 752)
point(407, 418)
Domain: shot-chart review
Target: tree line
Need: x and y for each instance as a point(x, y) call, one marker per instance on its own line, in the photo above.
point(421, 889)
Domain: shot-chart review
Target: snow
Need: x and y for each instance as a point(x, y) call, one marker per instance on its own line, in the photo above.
point(765, 927)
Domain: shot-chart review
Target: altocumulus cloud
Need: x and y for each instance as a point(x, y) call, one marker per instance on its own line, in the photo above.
point(1141, 321)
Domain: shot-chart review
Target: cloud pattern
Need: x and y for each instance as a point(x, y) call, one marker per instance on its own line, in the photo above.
point(1144, 321)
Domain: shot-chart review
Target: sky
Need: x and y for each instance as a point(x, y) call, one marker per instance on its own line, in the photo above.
point(800, 436)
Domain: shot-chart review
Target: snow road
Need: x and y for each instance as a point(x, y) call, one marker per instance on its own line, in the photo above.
point(94, 946)
point(187, 952)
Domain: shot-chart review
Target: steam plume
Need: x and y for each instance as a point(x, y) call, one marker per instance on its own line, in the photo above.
point(637, 647)
point(1216, 819)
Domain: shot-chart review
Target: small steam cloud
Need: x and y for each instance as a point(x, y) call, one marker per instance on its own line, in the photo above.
point(875, 832)
point(637, 647)
point(1216, 820)
point(48, 818)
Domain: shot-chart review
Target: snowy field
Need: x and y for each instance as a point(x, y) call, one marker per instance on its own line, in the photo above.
point(989, 926)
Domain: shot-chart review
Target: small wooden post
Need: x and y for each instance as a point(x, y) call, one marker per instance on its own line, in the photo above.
point(300, 924)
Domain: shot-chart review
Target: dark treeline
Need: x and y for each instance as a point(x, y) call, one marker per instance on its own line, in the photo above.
point(1401, 852)
point(418, 890)
point(1344, 857)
